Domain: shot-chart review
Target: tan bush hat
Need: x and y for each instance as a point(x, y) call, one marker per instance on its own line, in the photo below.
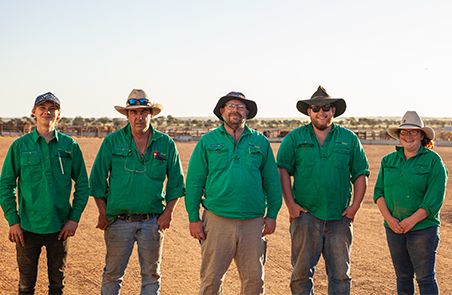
point(138, 99)
point(320, 98)
point(411, 120)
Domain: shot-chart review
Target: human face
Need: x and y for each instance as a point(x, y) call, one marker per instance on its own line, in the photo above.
point(139, 119)
point(410, 142)
point(322, 120)
point(234, 117)
point(46, 114)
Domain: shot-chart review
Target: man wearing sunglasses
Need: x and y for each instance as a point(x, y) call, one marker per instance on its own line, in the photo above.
point(127, 182)
point(325, 160)
point(233, 174)
point(41, 166)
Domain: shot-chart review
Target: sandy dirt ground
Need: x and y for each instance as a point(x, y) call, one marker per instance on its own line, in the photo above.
point(371, 268)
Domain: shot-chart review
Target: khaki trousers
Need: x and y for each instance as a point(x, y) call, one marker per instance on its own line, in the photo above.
point(228, 239)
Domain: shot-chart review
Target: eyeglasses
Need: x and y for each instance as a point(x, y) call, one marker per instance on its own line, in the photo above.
point(231, 106)
point(134, 101)
point(412, 132)
point(325, 108)
point(141, 168)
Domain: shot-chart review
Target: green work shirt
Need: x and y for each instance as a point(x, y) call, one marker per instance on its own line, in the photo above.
point(238, 180)
point(323, 176)
point(410, 185)
point(43, 190)
point(132, 184)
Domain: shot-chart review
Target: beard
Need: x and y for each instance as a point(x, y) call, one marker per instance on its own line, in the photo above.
point(234, 122)
point(322, 127)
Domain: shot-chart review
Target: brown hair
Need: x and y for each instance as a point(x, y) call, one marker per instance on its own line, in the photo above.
point(427, 142)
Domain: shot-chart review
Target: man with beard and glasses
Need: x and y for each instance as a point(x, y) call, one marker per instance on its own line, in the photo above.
point(325, 160)
point(232, 173)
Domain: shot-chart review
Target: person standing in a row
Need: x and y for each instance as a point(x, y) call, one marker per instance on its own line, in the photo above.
point(409, 192)
point(324, 160)
point(232, 173)
point(41, 165)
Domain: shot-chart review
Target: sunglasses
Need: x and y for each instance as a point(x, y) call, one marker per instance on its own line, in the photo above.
point(325, 108)
point(412, 132)
point(134, 101)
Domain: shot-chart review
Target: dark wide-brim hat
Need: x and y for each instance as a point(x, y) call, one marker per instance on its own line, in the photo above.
point(411, 120)
point(251, 106)
point(320, 98)
point(138, 94)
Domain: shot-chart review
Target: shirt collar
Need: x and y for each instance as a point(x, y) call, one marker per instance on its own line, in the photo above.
point(246, 130)
point(35, 136)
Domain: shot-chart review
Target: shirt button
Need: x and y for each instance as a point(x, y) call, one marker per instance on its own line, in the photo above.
point(48, 168)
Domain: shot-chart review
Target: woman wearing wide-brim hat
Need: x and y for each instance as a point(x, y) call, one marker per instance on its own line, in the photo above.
point(409, 192)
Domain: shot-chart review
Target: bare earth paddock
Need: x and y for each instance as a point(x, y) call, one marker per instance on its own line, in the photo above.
point(371, 269)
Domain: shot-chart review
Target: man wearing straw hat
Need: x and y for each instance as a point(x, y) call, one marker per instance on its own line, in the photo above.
point(43, 163)
point(325, 160)
point(233, 174)
point(127, 182)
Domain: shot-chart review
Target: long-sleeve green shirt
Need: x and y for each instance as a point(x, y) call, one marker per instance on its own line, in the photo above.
point(323, 176)
point(132, 184)
point(238, 180)
point(43, 191)
point(410, 185)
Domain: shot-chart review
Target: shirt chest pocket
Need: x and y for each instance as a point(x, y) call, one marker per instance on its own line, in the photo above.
point(30, 167)
point(305, 154)
point(419, 177)
point(62, 160)
point(218, 157)
point(158, 168)
point(391, 176)
point(122, 162)
point(341, 157)
point(254, 158)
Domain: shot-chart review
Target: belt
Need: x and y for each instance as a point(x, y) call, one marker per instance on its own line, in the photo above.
point(137, 217)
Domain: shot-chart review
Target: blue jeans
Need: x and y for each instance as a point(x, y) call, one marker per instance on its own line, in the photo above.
point(28, 258)
point(414, 253)
point(120, 237)
point(312, 237)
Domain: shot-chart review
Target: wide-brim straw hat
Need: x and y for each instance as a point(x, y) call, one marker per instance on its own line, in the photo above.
point(411, 120)
point(156, 108)
point(320, 98)
point(251, 106)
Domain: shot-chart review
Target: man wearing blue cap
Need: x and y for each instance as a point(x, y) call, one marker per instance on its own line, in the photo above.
point(43, 163)
point(232, 173)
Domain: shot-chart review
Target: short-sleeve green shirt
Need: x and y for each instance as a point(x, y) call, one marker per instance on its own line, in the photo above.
point(132, 184)
point(323, 176)
point(410, 185)
point(43, 183)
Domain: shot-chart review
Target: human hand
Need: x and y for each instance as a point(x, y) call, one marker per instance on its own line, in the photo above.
point(16, 234)
point(407, 224)
point(196, 230)
point(295, 211)
point(350, 212)
point(68, 229)
point(102, 222)
point(164, 219)
point(269, 226)
point(394, 225)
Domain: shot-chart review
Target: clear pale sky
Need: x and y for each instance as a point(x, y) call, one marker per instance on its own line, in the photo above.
point(383, 57)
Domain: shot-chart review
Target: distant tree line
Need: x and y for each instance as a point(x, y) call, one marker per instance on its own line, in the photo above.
point(173, 122)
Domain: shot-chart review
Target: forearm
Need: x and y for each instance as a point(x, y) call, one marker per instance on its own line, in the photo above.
point(381, 203)
point(286, 186)
point(101, 204)
point(171, 205)
point(359, 190)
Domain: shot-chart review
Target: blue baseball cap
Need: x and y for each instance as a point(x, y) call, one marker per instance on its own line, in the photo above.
point(47, 97)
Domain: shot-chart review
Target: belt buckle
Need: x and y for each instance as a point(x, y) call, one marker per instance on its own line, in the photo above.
point(129, 218)
point(147, 217)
